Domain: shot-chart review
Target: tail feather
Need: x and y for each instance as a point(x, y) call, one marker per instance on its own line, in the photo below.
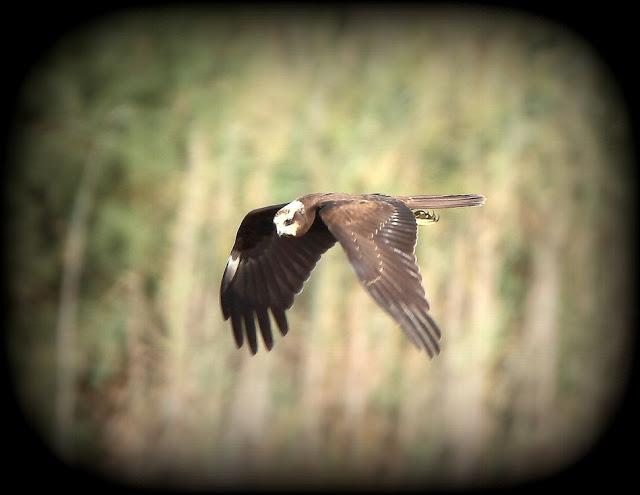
point(448, 201)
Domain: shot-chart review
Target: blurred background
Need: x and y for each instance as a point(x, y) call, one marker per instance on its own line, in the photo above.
point(143, 138)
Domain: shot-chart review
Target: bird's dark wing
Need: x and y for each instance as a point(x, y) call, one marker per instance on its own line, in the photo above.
point(379, 237)
point(264, 272)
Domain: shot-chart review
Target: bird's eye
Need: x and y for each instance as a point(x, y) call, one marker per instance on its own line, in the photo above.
point(288, 221)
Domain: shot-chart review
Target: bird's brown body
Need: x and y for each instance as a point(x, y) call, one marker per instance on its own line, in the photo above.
point(277, 247)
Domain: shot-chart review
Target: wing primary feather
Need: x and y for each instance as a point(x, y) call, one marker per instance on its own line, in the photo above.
point(391, 269)
point(392, 310)
point(277, 294)
point(392, 238)
point(249, 287)
point(293, 274)
point(408, 263)
point(411, 321)
point(281, 319)
point(430, 345)
point(250, 330)
point(265, 327)
point(268, 281)
point(419, 328)
point(285, 295)
point(260, 284)
point(249, 300)
point(241, 284)
point(394, 282)
point(261, 291)
point(426, 327)
point(298, 262)
point(225, 303)
point(285, 279)
point(409, 257)
point(236, 325)
point(399, 316)
point(413, 295)
point(403, 313)
point(403, 228)
point(430, 324)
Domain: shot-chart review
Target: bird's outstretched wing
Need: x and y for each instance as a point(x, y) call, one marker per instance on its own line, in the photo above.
point(379, 237)
point(264, 273)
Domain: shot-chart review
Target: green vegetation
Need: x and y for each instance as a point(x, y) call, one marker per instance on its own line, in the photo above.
point(144, 138)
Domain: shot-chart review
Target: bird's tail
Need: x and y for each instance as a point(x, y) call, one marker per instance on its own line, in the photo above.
point(448, 201)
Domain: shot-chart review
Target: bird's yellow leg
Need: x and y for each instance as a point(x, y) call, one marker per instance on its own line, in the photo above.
point(425, 217)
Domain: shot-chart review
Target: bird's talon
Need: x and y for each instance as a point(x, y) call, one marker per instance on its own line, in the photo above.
point(424, 217)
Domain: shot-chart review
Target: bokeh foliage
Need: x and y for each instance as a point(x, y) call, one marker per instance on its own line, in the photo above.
point(142, 140)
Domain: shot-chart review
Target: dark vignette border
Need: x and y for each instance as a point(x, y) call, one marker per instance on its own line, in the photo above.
point(29, 31)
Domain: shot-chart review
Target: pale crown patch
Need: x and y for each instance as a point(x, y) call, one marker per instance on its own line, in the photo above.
point(284, 218)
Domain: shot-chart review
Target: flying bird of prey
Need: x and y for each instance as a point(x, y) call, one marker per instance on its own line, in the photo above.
point(277, 247)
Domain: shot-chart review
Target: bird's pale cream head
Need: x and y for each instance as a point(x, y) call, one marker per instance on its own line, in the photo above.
point(289, 218)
